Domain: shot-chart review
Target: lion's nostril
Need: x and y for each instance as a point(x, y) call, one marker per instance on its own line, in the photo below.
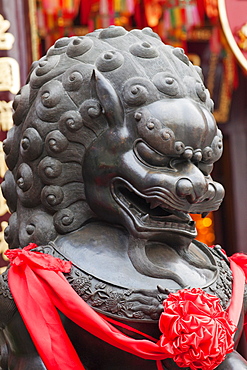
point(210, 193)
point(194, 191)
point(184, 188)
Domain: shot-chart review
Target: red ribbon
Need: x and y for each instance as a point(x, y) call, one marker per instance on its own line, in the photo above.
point(39, 288)
point(239, 260)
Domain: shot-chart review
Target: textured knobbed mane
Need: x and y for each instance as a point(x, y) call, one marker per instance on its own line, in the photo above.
point(63, 109)
point(113, 146)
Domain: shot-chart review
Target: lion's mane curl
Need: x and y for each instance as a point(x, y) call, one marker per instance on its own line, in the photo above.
point(58, 115)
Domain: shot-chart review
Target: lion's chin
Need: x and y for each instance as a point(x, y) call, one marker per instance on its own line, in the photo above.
point(149, 215)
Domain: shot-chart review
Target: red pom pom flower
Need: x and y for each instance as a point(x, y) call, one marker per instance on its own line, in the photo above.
point(196, 331)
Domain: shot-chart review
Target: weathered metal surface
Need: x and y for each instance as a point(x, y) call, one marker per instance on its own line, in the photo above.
point(113, 146)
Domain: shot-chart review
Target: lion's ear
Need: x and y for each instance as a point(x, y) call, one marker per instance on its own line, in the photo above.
point(108, 98)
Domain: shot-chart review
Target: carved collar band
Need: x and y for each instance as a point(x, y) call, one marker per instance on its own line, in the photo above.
point(39, 288)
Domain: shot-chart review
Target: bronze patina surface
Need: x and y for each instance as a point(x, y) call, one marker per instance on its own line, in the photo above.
point(113, 146)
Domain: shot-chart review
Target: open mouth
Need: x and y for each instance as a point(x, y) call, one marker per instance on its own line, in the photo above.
point(151, 213)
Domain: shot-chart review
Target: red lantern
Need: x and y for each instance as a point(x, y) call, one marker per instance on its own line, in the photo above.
point(67, 9)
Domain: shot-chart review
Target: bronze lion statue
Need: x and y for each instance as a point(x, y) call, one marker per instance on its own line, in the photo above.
point(112, 148)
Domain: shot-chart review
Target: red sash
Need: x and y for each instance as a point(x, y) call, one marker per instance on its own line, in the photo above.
point(39, 288)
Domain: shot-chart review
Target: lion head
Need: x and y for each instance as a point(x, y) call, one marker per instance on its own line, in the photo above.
point(115, 126)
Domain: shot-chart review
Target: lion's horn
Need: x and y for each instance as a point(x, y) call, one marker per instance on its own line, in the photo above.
point(108, 98)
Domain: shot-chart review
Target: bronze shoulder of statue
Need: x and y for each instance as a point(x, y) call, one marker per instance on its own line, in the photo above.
point(111, 151)
point(8, 307)
point(13, 333)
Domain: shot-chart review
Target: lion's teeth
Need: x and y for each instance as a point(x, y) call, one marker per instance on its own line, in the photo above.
point(182, 215)
point(154, 204)
point(145, 218)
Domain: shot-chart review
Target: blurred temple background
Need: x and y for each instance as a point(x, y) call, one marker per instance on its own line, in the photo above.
point(213, 34)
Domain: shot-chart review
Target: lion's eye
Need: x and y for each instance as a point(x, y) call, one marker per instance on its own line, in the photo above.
point(150, 156)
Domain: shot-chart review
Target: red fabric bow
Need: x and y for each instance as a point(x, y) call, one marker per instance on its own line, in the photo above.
point(39, 288)
point(196, 330)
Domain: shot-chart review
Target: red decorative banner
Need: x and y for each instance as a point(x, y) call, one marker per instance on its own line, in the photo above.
point(233, 16)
